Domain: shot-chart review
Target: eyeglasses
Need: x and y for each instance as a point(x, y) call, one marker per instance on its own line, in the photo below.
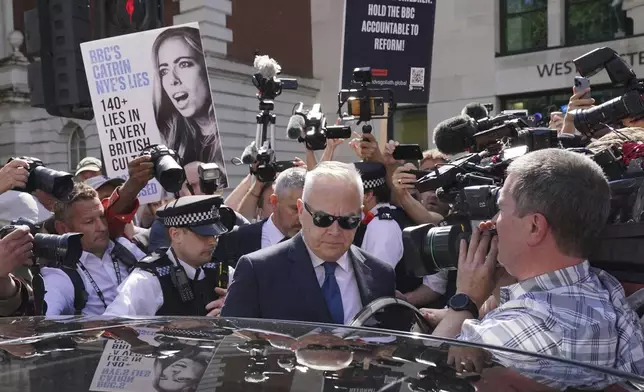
point(322, 219)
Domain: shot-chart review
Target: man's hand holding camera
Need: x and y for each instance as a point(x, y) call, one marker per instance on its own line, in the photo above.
point(15, 250)
point(477, 267)
point(141, 170)
point(14, 175)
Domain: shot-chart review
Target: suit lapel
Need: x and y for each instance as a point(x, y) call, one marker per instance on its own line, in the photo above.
point(254, 235)
point(302, 277)
point(363, 275)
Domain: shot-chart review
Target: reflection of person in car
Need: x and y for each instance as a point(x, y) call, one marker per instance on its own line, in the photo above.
point(182, 99)
point(181, 372)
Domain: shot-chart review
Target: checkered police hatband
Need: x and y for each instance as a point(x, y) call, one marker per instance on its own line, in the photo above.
point(192, 219)
point(375, 183)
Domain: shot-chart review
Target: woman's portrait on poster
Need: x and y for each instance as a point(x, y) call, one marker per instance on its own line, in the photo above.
point(182, 98)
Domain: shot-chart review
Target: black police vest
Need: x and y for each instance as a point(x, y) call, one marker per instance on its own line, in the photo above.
point(405, 282)
point(160, 265)
point(119, 253)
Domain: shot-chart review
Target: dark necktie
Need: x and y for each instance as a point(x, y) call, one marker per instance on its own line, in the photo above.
point(286, 238)
point(332, 295)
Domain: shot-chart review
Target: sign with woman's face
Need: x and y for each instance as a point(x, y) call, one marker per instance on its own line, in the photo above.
point(148, 88)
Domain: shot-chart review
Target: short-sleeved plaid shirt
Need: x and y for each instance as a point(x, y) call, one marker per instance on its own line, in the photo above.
point(576, 313)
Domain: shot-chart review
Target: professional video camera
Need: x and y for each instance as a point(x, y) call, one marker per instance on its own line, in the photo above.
point(309, 127)
point(494, 134)
point(630, 105)
point(261, 152)
point(56, 183)
point(63, 249)
point(266, 80)
point(167, 169)
point(366, 103)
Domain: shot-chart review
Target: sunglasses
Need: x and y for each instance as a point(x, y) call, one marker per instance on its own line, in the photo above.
point(322, 219)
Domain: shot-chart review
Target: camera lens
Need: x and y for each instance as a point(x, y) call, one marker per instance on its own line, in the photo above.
point(65, 249)
point(169, 174)
point(57, 183)
point(443, 244)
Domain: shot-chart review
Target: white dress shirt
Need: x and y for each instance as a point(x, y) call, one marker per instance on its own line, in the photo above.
point(383, 238)
point(345, 276)
point(437, 282)
point(141, 293)
point(271, 235)
point(59, 290)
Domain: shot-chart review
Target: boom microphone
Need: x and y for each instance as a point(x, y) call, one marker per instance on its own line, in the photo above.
point(455, 135)
point(295, 127)
point(475, 110)
point(249, 154)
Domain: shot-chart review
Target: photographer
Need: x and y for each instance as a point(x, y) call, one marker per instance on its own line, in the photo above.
point(90, 286)
point(552, 207)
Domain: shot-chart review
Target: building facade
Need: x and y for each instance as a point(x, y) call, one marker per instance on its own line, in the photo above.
point(232, 30)
point(518, 54)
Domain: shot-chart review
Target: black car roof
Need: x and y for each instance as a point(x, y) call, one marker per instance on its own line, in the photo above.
point(194, 354)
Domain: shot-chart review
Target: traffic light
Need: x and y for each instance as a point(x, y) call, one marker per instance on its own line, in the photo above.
point(118, 17)
point(55, 30)
point(57, 82)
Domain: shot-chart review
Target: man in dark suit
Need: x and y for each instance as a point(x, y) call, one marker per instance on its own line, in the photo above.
point(283, 223)
point(318, 275)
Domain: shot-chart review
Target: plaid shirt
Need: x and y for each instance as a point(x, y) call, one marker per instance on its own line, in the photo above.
point(576, 313)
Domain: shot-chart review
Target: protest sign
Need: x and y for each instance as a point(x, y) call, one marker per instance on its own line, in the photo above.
point(395, 39)
point(148, 88)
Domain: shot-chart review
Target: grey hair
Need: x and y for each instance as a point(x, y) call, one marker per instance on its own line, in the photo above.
point(344, 172)
point(569, 190)
point(292, 178)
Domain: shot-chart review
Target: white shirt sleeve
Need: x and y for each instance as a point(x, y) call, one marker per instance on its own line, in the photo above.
point(436, 282)
point(384, 241)
point(59, 292)
point(139, 295)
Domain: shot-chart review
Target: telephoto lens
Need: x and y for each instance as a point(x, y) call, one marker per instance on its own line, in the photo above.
point(57, 183)
point(63, 249)
point(429, 249)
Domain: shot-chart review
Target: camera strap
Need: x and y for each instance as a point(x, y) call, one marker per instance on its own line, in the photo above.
point(117, 270)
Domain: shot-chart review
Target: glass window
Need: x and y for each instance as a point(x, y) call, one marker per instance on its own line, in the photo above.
point(595, 20)
point(557, 100)
point(77, 148)
point(524, 25)
point(410, 126)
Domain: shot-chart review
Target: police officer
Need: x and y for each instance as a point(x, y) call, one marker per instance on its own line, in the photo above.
point(180, 280)
point(380, 232)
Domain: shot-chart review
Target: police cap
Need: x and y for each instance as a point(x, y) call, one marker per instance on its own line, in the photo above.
point(373, 174)
point(200, 214)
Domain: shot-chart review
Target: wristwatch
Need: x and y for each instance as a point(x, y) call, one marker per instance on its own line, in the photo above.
point(461, 302)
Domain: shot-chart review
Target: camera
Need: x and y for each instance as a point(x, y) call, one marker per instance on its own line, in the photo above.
point(167, 170)
point(63, 249)
point(209, 177)
point(56, 183)
point(365, 103)
point(430, 248)
point(266, 80)
point(309, 127)
point(629, 105)
point(267, 166)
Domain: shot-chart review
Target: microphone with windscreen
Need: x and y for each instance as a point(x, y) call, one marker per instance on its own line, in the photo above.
point(475, 110)
point(455, 135)
point(297, 123)
point(250, 153)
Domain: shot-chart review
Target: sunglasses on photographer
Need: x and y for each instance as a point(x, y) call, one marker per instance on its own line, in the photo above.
point(323, 220)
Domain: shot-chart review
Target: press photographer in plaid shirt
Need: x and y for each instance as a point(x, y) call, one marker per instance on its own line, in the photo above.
point(552, 206)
